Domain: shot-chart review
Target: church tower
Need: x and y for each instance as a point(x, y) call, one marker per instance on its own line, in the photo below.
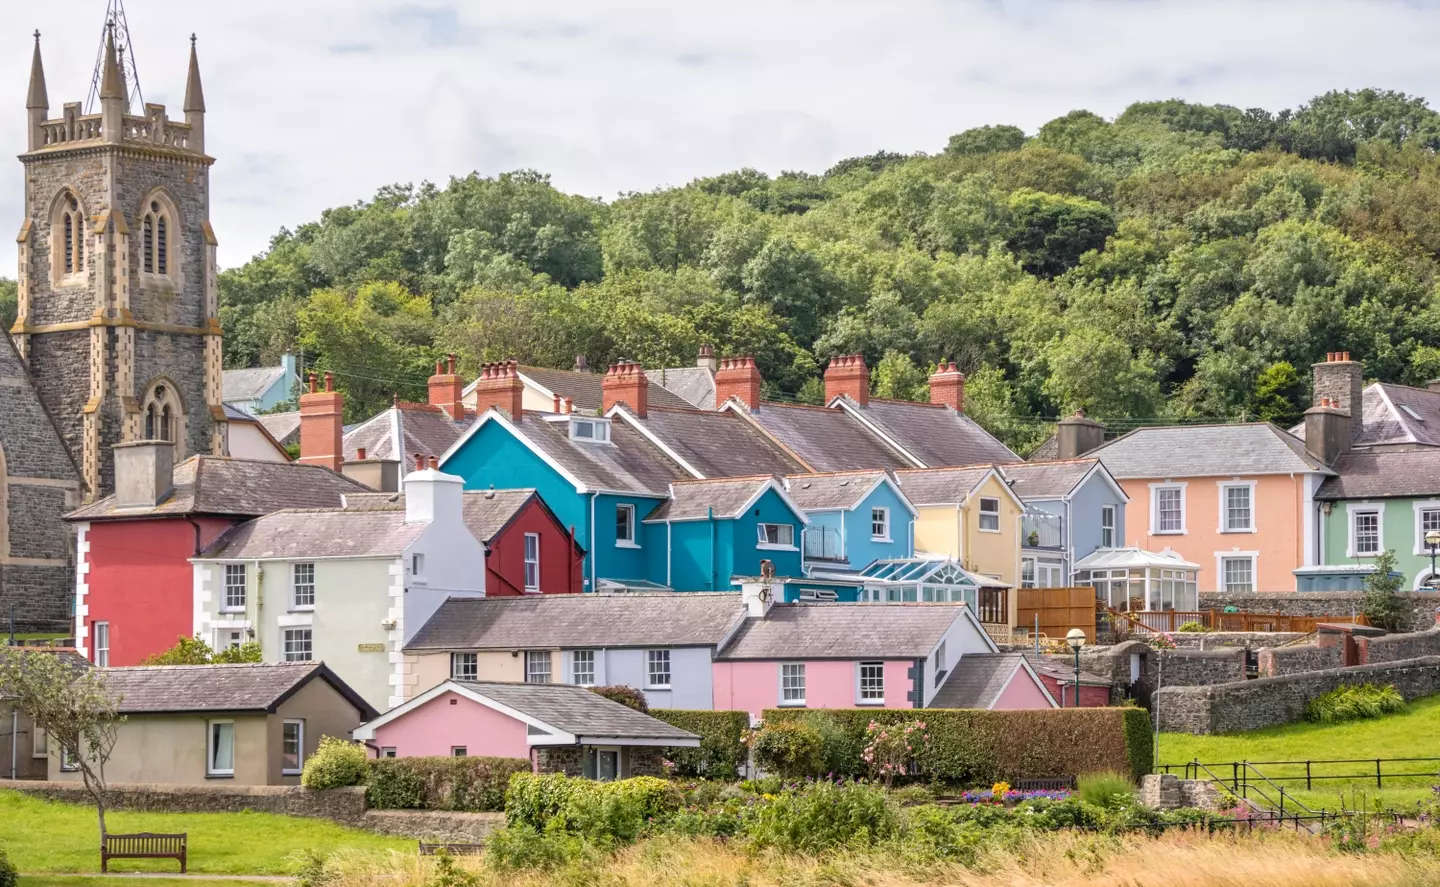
point(118, 316)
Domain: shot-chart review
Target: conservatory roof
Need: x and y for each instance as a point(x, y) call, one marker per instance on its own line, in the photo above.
point(938, 570)
point(1135, 558)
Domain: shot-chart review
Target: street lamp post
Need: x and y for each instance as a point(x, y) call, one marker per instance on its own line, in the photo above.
point(1076, 639)
point(1432, 542)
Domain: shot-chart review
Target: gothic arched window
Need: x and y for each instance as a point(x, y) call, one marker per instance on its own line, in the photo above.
point(155, 239)
point(162, 414)
point(68, 236)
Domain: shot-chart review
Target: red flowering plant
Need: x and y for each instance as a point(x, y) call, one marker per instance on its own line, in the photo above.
point(890, 749)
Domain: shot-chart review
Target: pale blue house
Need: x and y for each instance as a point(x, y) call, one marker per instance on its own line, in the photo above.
point(255, 390)
point(856, 518)
point(1073, 507)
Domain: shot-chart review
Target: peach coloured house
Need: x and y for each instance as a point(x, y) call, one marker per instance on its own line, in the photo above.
point(1239, 500)
point(559, 728)
point(910, 655)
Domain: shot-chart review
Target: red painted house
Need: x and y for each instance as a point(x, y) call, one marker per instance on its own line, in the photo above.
point(134, 582)
point(527, 549)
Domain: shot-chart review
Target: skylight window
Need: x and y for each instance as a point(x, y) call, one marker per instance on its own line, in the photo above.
point(1410, 411)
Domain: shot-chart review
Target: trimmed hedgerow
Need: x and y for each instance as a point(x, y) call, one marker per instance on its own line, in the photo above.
point(625, 695)
point(722, 747)
point(476, 785)
point(597, 810)
point(982, 747)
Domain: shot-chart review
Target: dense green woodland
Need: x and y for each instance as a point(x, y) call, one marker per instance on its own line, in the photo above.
point(1180, 263)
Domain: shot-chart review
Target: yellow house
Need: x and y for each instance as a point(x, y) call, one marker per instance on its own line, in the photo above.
point(970, 514)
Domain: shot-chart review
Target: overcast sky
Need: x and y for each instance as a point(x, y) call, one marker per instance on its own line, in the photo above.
point(314, 103)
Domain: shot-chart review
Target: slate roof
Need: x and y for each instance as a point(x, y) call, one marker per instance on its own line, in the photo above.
point(977, 680)
point(717, 444)
point(695, 385)
point(1046, 480)
point(627, 463)
point(626, 619)
point(405, 431)
point(1206, 451)
point(826, 439)
point(284, 427)
point(698, 499)
point(843, 631)
point(486, 512)
point(1383, 473)
point(259, 687)
point(585, 389)
point(1064, 672)
point(318, 532)
point(940, 486)
point(934, 433)
point(249, 384)
point(216, 485)
point(577, 710)
point(1394, 414)
point(839, 489)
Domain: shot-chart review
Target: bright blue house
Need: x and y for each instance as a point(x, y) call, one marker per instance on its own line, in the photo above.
point(856, 518)
point(710, 531)
point(1073, 507)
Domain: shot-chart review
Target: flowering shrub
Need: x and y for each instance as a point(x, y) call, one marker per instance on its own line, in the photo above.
point(786, 749)
point(1004, 794)
point(1161, 641)
point(890, 749)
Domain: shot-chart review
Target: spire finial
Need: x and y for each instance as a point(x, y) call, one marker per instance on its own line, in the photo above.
point(192, 39)
point(36, 98)
point(124, 80)
point(194, 94)
point(112, 82)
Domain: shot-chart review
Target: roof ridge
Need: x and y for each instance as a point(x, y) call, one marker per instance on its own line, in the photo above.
point(595, 596)
point(913, 403)
point(975, 467)
point(802, 406)
point(848, 471)
point(724, 480)
point(309, 663)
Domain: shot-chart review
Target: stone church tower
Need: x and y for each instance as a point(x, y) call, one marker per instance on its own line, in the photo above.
point(118, 308)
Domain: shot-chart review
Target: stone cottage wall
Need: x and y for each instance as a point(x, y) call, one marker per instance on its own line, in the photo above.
point(1420, 605)
point(1299, 658)
point(1395, 647)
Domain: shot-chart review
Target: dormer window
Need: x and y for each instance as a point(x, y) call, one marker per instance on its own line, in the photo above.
point(589, 430)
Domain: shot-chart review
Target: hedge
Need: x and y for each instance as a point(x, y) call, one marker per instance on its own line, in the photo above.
point(722, 750)
point(981, 747)
point(534, 800)
point(476, 785)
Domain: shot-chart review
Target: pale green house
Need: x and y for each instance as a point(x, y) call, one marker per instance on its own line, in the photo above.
point(1380, 498)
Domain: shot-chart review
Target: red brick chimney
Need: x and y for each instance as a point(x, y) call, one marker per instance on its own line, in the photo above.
point(447, 390)
point(625, 382)
point(947, 386)
point(322, 422)
point(500, 386)
point(738, 377)
point(848, 375)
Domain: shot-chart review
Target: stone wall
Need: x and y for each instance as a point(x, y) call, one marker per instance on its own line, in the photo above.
point(1395, 647)
point(1268, 702)
point(1299, 658)
point(345, 805)
point(1166, 791)
point(566, 759)
point(1181, 667)
point(1422, 605)
point(1249, 640)
point(432, 825)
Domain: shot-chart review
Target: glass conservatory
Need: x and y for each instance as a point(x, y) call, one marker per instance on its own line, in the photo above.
point(933, 580)
point(1132, 579)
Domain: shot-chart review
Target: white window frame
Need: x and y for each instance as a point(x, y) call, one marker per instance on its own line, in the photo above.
point(226, 572)
point(470, 659)
point(1222, 556)
point(285, 635)
point(940, 657)
point(101, 631)
point(1352, 511)
point(632, 539)
point(210, 768)
point(536, 657)
point(652, 659)
point(880, 517)
point(599, 428)
point(1107, 526)
point(1034, 565)
point(989, 512)
point(39, 743)
point(792, 678)
point(296, 585)
point(223, 642)
point(1224, 487)
point(532, 562)
point(783, 531)
point(459, 751)
point(860, 693)
point(575, 675)
point(299, 747)
point(387, 751)
point(417, 564)
point(1420, 507)
point(1155, 509)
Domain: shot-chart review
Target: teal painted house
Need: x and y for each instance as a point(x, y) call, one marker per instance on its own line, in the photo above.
point(1379, 499)
point(711, 531)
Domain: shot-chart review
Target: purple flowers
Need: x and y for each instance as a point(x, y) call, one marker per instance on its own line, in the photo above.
point(1012, 796)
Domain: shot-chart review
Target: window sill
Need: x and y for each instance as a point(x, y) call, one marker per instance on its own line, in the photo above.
point(1167, 532)
point(886, 539)
point(794, 703)
point(529, 590)
point(658, 687)
point(1242, 531)
point(871, 703)
point(983, 530)
point(219, 775)
point(306, 609)
point(291, 772)
point(771, 546)
point(620, 544)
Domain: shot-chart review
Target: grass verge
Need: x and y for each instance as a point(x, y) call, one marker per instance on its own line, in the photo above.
point(1408, 734)
point(46, 836)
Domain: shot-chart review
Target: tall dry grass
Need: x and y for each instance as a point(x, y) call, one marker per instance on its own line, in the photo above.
point(1053, 860)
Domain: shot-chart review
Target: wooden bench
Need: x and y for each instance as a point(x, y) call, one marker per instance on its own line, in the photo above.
point(455, 849)
point(1052, 784)
point(145, 845)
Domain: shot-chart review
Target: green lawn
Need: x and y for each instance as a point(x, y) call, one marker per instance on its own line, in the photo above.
point(43, 836)
point(1414, 733)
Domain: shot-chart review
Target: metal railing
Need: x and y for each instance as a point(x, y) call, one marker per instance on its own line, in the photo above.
point(823, 543)
point(1373, 768)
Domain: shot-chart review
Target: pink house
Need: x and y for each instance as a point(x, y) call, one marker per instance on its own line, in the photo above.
point(560, 728)
point(890, 655)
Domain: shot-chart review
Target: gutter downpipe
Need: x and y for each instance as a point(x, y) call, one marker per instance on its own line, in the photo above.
point(669, 549)
point(592, 553)
point(15, 743)
point(714, 569)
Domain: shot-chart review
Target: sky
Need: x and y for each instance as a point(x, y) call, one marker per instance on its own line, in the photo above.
point(316, 103)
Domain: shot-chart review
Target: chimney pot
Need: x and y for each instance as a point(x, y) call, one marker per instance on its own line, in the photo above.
point(947, 386)
point(314, 380)
point(848, 375)
point(435, 463)
point(738, 377)
point(625, 382)
point(322, 425)
point(359, 454)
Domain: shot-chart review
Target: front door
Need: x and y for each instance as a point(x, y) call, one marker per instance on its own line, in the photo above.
point(602, 764)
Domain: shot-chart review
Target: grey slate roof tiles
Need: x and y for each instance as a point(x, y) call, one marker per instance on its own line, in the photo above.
point(1206, 451)
point(1046, 480)
point(826, 439)
point(1383, 473)
point(217, 485)
point(718, 444)
point(313, 533)
point(695, 385)
point(626, 619)
point(284, 427)
point(697, 499)
point(404, 432)
point(1395, 414)
point(977, 680)
point(627, 463)
point(587, 392)
point(218, 688)
point(486, 512)
point(940, 486)
point(815, 492)
point(843, 631)
point(935, 434)
point(249, 384)
point(577, 710)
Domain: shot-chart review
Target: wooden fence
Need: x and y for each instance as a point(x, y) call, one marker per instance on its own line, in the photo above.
point(1219, 620)
point(1057, 610)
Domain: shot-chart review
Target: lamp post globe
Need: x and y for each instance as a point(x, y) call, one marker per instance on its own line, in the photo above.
point(1076, 639)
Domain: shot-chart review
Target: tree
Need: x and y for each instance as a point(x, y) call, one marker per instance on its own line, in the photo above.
point(71, 704)
point(1279, 395)
point(9, 291)
point(1383, 607)
point(1050, 232)
point(986, 140)
point(898, 378)
point(193, 651)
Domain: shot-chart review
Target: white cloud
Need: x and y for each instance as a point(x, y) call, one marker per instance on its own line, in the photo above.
point(314, 103)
